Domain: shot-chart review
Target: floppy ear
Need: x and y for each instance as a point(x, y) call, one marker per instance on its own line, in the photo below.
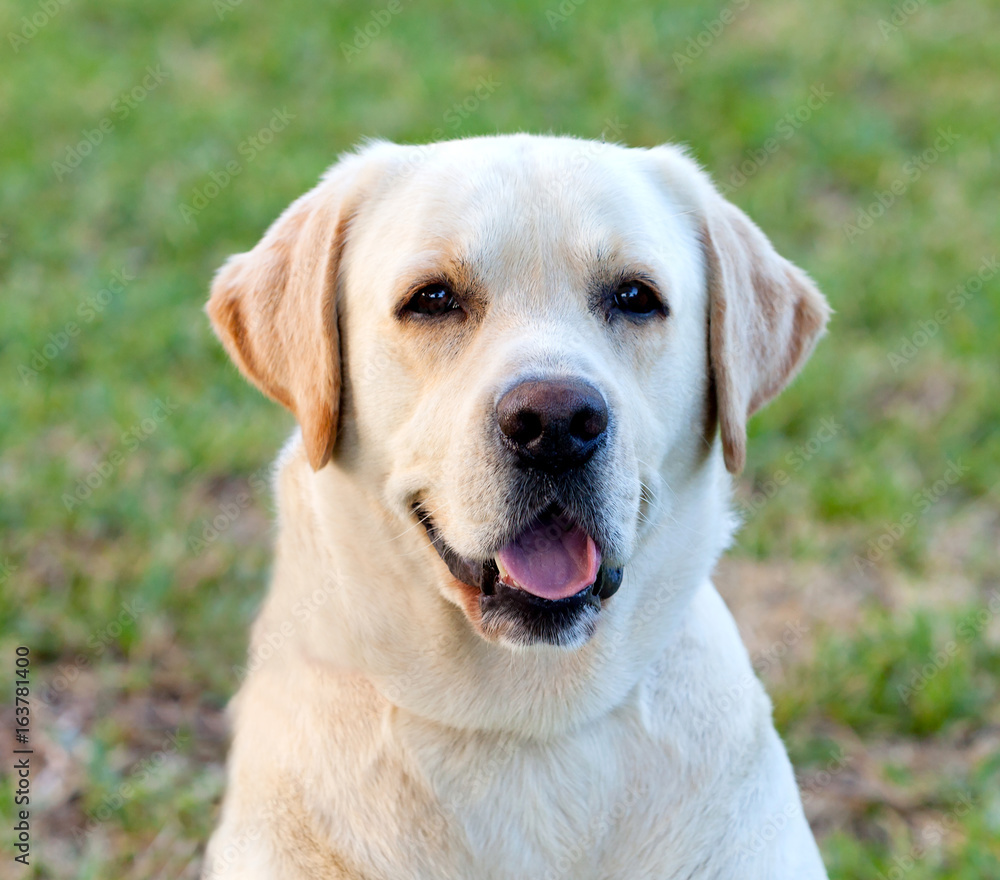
point(274, 310)
point(765, 316)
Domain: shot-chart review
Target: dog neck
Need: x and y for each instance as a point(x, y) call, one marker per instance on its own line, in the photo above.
point(378, 610)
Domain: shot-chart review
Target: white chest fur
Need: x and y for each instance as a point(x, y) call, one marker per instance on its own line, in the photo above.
point(687, 778)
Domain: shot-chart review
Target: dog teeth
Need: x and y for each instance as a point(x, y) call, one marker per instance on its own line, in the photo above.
point(500, 566)
point(505, 577)
point(503, 574)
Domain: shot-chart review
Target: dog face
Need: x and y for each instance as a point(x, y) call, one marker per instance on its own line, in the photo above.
point(529, 345)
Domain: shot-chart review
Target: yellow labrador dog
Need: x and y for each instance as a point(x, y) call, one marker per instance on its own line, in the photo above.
point(522, 368)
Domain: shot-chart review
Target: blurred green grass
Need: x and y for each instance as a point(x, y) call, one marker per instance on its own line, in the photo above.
point(225, 69)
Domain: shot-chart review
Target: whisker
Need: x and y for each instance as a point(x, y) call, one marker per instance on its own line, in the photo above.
point(667, 487)
point(424, 514)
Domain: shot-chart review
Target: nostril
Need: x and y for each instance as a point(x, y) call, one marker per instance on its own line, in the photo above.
point(523, 427)
point(589, 423)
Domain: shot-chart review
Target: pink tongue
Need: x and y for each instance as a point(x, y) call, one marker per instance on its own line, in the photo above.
point(551, 560)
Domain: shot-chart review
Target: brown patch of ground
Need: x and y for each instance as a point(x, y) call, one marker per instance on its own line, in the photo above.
point(781, 606)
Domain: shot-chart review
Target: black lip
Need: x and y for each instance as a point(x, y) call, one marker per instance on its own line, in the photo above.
point(484, 577)
point(526, 619)
point(481, 575)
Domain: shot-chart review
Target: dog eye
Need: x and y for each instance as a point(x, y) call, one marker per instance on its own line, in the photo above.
point(432, 300)
point(637, 298)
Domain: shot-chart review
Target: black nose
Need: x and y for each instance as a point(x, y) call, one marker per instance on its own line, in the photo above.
point(552, 425)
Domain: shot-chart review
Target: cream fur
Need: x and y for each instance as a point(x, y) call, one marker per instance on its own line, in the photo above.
point(377, 733)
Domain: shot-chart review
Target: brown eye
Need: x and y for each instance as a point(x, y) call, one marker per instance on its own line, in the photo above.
point(637, 298)
point(432, 300)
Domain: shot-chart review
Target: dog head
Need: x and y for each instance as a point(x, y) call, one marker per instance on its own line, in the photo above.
point(536, 348)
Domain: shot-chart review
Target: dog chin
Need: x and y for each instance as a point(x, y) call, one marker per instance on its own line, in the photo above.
point(518, 619)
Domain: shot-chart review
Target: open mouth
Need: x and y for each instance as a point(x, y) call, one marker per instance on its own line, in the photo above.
point(540, 585)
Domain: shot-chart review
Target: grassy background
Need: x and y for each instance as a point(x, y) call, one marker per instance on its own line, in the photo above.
point(872, 609)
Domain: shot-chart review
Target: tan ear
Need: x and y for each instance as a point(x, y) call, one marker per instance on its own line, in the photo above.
point(765, 316)
point(274, 309)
